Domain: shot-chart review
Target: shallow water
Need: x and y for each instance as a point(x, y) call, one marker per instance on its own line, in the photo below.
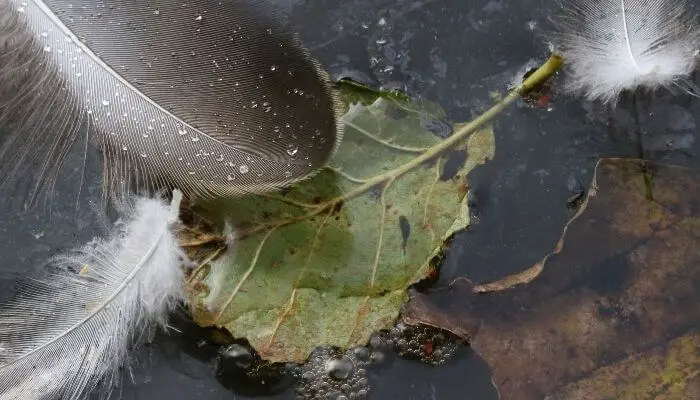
point(456, 53)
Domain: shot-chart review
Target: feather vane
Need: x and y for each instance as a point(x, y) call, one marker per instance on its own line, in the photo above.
point(217, 98)
point(65, 334)
point(617, 45)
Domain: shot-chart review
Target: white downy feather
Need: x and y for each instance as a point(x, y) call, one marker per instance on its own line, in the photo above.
point(66, 334)
point(615, 45)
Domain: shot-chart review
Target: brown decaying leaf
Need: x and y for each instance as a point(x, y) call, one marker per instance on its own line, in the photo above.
point(625, 280)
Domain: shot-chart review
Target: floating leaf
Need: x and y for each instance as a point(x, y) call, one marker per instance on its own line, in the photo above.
point(623, 279)
point(328, 262)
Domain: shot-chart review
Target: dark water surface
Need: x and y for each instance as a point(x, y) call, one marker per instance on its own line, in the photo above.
point(455, 52)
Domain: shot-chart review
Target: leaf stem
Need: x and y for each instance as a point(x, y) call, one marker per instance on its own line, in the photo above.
point(544, 72)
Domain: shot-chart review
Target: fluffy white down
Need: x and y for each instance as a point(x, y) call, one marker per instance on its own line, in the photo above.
point(615, 45)
point(66, 333)
point(160, 284)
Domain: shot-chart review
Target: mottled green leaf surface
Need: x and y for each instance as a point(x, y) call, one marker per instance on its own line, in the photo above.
point(328, 261)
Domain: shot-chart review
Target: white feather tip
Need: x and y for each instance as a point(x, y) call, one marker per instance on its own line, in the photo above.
point(612, 46)
point(65, 334)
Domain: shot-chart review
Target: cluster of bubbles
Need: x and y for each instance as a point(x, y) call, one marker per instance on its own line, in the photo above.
point(424, 343)
point(333, 374)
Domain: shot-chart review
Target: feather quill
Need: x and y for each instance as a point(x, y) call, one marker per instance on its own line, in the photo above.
point(217, 98)
point(65, 334)
point(615, 45)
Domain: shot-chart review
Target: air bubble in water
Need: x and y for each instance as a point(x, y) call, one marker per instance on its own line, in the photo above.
point(239, 354)
point(430, 345)
point(332, 375)
point(339, 368)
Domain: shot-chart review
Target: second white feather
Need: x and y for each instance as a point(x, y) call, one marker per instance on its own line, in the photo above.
point(615, 45)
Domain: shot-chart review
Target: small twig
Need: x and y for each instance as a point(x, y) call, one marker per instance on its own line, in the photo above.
point(202, 240)
point(205, 262)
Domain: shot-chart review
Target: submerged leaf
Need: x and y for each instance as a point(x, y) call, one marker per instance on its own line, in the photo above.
point(328, 262)
point(623, 279)
point(665, 372)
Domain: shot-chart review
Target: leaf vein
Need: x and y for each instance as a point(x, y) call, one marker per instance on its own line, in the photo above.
point(386, 143)
point(305, 268)
point(426, 223)
point(247, 274)
point(382, 224)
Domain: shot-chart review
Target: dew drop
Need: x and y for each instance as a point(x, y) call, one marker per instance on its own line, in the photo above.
point(144, 155)
point(195, 138)
point(230, 178)
point(243, 169)
point(105, 103)
point(292, 150)
point(181, 130)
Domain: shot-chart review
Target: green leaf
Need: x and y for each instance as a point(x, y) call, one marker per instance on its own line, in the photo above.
point(328, 262)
